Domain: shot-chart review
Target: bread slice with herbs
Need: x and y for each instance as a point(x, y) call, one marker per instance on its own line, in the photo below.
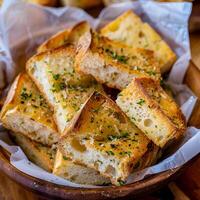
point(152, 110)
point(65, 90)
point(65, 168)
point(26, 111)
point(132, 31)
point(102, 137)
point(39, 154)
point(67, 36)
point(113, 63)
point(152, 155)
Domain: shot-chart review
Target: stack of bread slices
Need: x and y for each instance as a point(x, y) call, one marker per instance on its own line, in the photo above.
point(64, 113)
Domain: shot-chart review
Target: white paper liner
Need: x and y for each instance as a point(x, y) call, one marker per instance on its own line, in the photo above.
point(33, 24)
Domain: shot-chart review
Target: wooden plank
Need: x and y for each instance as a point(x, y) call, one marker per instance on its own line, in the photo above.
point(10, 190)
point(192, 79)
point(195, 50)
point(189, 181)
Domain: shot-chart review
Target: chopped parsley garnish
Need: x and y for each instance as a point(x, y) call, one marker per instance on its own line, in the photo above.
point(120, 182)
point(122, 136)
point(111, 137)
point(110, 153)
point(99, 161)
point(58, 86)
point(141, 102)
point(56, 76)
point(125, 153)
point(114, 55)
point(65, 158)
point(25, 95)
point(151, 73)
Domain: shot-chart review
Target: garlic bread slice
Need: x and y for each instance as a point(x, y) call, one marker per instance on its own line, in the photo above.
point(102, 137)
point(67, 36)
point(26, 111)
point(65, 168)
point(113, 63)
point(65, 90)
point(152, 110)
point(41, 155)
point(149, 158)
point(132, 31)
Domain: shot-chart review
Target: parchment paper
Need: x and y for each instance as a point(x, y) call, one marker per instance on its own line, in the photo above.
point(24, 26)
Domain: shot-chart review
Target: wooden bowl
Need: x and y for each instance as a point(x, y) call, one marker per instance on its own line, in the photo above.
point(53, 191)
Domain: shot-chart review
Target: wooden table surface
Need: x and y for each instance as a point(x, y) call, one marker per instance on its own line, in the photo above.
point(187, 186)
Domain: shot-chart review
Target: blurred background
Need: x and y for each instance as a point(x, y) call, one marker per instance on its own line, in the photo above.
point(94, 7)
point(84, 3)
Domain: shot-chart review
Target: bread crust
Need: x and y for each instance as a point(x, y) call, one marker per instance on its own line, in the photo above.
point(68, 36)
point(82, 84)
point(148, 105)
point(21, 109)
point(82, 127)
point(113, 63)
point(64, 167)
point(131, 30)
point(40, 154)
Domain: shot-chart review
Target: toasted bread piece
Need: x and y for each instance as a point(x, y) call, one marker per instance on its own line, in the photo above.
point(149, 158)
point(41, 155)
point(65, 90)
point(102, 137)
point(26, 111)
point(65, 168)
point(131, 30)
point(152, 110)
point(57, 40)
point(113, 63)
point(68, 36)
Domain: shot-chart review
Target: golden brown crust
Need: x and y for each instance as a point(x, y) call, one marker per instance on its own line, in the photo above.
point(118, 62)
point(69, 50)
point(10, 96)
point(86, 125)
point(75, 85)
point(25, 111)
point(131, 30)
point(68, 36)
point(144, 99)
point(41, 155)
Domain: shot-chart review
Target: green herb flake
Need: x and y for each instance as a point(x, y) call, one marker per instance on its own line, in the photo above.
point(120, 182)
point(110, 153)
point(120, 58)
point(124, 153)
point(99, 161)
point(56, 76)
point(65, 158)
point(24, 95)
point(141, 102)
point(151, 73)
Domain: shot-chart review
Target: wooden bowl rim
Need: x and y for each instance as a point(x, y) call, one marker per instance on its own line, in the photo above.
point(54, 190)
